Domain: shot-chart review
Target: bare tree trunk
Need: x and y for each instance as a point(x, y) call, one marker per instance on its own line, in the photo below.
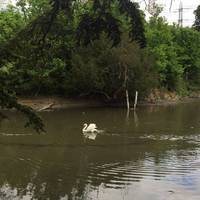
point(136, 99)
point(127, 100)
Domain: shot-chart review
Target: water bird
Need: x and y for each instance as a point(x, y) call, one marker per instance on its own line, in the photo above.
point(90, 131)
point(91, 128)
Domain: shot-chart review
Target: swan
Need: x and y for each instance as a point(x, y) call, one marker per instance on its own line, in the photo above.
point(91, 128)
point(90, 131)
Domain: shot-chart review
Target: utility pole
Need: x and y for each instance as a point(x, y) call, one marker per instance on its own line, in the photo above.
point(180, 14)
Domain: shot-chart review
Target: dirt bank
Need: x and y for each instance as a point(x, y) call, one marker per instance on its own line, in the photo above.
point(164, 97)
point(41, 103)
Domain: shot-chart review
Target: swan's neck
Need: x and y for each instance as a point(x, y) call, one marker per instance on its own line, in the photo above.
point(85, 127)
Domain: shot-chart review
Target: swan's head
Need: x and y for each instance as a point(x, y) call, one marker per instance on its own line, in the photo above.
point(84, 125)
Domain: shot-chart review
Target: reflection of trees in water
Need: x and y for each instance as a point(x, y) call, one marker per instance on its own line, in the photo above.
point(56, 172)
point(48, 174)
point(3, 119)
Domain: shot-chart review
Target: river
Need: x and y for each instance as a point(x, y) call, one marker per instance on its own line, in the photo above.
point(153, 153)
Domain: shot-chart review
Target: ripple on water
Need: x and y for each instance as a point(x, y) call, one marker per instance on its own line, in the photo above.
point(15, 134)
point(121, 174)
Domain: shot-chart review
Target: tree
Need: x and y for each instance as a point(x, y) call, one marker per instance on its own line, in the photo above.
point(161, 43)
point(188, 53)
point(91, 24)
point(196, 24)
point(176, 51)
point(31, 9)
point(11, 21)
point(101, 70)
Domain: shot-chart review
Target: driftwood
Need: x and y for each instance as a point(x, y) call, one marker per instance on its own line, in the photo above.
point(49, 106)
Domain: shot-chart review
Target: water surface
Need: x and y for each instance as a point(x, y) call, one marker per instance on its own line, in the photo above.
point(151, 154)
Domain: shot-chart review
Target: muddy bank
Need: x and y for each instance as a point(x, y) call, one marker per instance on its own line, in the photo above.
point(41, 103)
point(164, 97)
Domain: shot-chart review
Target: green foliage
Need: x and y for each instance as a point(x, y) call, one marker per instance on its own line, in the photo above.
point(196, 24)
point(161, 43)
point(99, 19)
point(33, 8)
point(102, 19)
point(9, 100)
point(100, 69)
point(188, 41)
point(176, 52)
point(11, 21)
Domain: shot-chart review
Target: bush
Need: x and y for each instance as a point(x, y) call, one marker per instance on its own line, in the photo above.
point(98, 68)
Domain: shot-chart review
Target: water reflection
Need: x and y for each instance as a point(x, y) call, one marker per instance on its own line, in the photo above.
point(44, 173)
point(157, 157)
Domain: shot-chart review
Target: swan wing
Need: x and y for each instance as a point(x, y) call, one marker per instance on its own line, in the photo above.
point(91, 127)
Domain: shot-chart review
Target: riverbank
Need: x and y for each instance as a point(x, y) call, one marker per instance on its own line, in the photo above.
point(164, 97)
point(47, 103)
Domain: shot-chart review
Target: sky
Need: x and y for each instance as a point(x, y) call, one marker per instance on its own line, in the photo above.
point(3, 3)
point(172, 16)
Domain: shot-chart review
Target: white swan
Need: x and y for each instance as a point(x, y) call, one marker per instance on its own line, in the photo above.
point(91, 128)
point(90, 131)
